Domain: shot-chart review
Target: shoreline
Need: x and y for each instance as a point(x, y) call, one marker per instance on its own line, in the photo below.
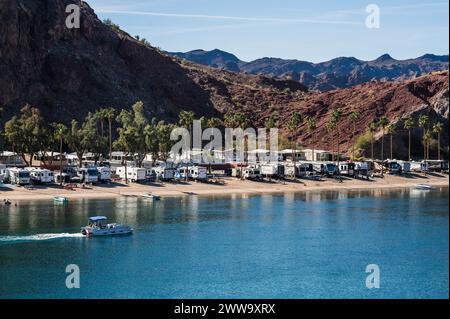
point(232, 186)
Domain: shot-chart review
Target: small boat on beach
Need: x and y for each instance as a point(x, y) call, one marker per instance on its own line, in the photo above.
point(98, 226)
point(424, 187)
point(151, 197)
point(60, 199)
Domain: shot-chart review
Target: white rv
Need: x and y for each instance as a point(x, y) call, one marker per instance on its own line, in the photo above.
point(251, 173)
point(19, 176)
point(40, 175)
point(133, 174)
point(198, 173)
point(104, 173)
point(164, 173)
point(347, 169)
point(3, 172)
point(406, 167)
point(88, 175)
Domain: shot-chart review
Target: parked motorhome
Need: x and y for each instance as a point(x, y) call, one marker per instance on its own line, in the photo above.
point(3, 172)
point(19, 176)
point(164, 173)
point(65, 177)
point(40, 175)
point(88, 175)
point(362, 169)
point(104, 173)
point(252, 173)
point(305, 170)
point(406, 167)
point(328, 169)
point(197, 173)
point(290, 170)
point(347, 169)
point(394, 167)
point(133, 174)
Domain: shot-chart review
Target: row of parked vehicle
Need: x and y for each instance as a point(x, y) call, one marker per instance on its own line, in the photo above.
point(362, 169)
point(99, 174)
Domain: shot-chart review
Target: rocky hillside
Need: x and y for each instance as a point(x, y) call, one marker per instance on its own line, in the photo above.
point(341, 72)
point(68, 73)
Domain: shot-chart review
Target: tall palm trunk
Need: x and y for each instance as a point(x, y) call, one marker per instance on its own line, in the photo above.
point(382, 154)
point(392, 153)
point(110, 138)
point(439, 146)
point(424, 146)
point(60, 160)
point(409, 145)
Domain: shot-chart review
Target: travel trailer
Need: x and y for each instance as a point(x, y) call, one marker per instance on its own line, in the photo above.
point(19, 176)
point(133, 174)
point(347, 169)
point(421, 167)
point(40, 175)
point(104, 173)
point(88, 175)
point(272, 170)
point(290, 170)
point(437, 166)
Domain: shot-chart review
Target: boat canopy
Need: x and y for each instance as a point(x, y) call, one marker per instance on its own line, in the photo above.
point(97, 218)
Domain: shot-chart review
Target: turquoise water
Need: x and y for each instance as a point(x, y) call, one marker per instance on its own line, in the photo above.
point(311, 245)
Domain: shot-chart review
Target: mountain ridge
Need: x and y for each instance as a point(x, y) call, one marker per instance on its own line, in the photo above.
point(340, 72)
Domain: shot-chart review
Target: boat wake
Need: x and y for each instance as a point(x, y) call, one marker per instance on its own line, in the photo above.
point(38, 237)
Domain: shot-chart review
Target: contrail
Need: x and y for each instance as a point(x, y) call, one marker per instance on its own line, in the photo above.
point(217, 17)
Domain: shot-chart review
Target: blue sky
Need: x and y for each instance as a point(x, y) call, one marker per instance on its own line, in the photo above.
point(306, 30)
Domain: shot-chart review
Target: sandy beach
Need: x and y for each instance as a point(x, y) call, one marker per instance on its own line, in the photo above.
point(231, 186)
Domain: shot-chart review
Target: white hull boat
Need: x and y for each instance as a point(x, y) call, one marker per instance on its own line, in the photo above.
point(151, 197)
point(98, 226)
point(424, 187)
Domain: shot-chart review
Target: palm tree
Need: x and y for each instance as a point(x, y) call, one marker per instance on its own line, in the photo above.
point(409, 125)
point(271, 123)
point(426, 140)
point(373, 127)
point(312, 126)
point(185, 120)
point(243, 122)
point(110, 113)
point(293, 125)
point(213, 122)
point(437, 129)
point(423, 121)
point(391, 132)
point(336, 116)
point(331, 126)
point(383, 124)
point(60, 132)
point(354, 117)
